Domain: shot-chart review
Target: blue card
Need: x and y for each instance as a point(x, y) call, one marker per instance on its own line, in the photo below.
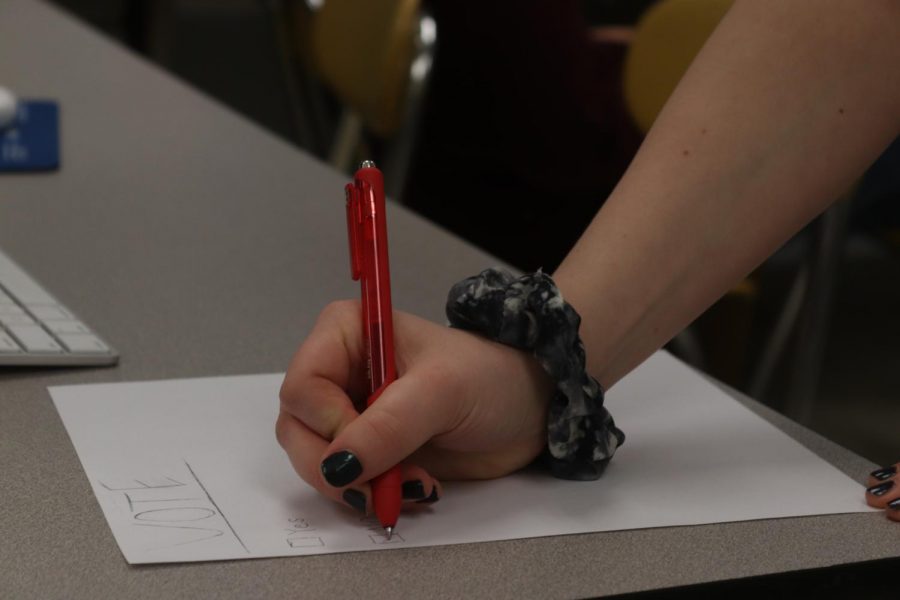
point(31, 143)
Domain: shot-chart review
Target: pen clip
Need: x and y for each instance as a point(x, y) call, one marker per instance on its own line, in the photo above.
point(354, 222)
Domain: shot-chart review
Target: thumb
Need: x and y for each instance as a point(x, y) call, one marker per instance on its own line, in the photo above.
point(407, 414)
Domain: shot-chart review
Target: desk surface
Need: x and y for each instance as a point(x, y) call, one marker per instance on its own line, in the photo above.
point(198, 244)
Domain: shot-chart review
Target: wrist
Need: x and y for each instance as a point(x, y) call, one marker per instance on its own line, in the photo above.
point(611, 315)
point(528, 313)
point(633, 282)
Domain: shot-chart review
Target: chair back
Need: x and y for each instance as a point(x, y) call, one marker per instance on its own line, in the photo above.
point(363, 51)
point(666, 40)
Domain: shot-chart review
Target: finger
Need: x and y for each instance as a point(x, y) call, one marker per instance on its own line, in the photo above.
point(893, 510)
point(326, 367)
point(304, 448)
point(883, 474)
point(321, 405)
point(881, 494)
point(408, 413)
point(419, 487)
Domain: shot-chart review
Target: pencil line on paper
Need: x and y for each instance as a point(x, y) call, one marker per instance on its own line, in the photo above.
point(213, 502)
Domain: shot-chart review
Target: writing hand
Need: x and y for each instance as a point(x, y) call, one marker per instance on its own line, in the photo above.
point(463, 407)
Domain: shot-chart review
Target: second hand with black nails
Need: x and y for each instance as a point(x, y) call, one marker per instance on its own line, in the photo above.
point(367, 232)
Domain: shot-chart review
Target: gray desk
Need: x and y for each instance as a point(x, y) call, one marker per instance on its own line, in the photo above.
point(198, 244)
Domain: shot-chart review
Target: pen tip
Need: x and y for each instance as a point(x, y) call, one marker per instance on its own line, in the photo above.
point(389, 531)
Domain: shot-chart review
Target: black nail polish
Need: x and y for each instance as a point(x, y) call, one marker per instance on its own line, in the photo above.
point(413, 490)
point(885, 473)
point(881, 489)
point(341, 468)
point(356, 499)
point(430, 499)
point(894, 504)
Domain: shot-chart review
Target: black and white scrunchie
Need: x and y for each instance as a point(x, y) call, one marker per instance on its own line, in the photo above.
point(530, 314)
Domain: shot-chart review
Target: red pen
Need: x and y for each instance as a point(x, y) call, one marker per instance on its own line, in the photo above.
point(367, 232)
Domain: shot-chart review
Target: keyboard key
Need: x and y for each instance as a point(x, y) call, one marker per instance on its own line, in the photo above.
point(10, 320)
point(35, 339)
point(83, 342)
point(49, 313)
point(58, 327)
point(8, 345)
point(36, 329)
point(21, 285)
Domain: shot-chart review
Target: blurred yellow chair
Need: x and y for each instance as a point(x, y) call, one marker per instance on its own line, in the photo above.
point(375, 57)
point(665, 42)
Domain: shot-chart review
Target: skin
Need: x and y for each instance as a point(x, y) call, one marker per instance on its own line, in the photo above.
point(890, 496)
point(783, 108)
point(434, 416)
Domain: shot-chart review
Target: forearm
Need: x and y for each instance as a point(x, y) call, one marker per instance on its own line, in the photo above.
point(786, 104)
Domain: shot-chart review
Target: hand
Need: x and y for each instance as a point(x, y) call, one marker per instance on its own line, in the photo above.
point(463, 407)
point(883, 490)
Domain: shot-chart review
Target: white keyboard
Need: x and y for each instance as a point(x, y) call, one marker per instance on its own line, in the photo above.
point(37, 330)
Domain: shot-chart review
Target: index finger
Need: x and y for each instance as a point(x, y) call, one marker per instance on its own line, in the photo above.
point(327, 372)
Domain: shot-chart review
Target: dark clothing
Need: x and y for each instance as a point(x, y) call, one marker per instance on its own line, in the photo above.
point(524, 133)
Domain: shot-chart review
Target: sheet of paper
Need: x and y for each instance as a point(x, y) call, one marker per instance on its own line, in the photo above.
point(189, 470)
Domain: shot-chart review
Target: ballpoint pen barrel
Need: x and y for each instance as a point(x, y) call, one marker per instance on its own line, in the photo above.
point(387, 488)
point(378, 330)
point(376, 285)
point(387, 496)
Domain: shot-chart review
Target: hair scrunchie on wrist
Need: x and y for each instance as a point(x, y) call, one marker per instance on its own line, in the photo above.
point(530, 314)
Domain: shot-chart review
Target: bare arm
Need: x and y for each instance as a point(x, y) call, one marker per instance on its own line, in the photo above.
point(787, 103)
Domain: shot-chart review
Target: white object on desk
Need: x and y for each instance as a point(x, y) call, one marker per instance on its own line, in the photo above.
point(8, 106)
point(189, 470)
point(37, 330)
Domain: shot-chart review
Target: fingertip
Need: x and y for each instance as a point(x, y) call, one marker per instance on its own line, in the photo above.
point(413, 490)
point(419, 486)
point(421, 493)
point(893, 510)
point(357, 500)
point(341, 468)
point(882, 494)
point(880, 475)
point(433, 497)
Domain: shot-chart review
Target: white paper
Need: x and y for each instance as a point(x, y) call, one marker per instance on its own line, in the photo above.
point(189, 470)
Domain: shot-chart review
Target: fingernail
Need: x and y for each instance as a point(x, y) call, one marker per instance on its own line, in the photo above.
point(341, 468)
point(885, 473)
point(430, 499)
point(881, 489)
point(894, 504)
point(356, 499)
point(413, 490)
